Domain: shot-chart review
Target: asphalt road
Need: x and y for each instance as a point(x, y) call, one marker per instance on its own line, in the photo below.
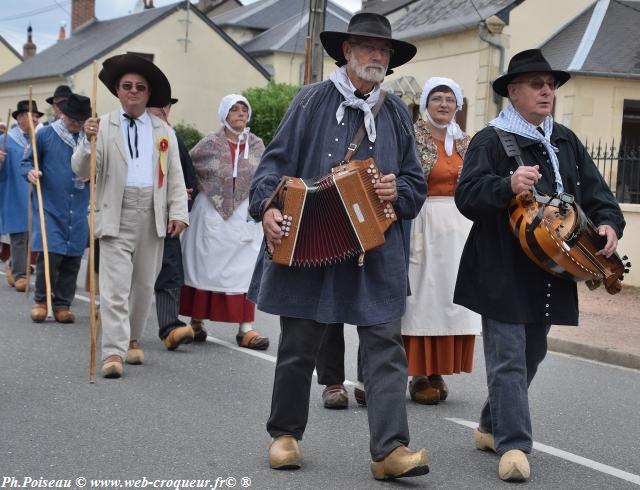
point(200, 413)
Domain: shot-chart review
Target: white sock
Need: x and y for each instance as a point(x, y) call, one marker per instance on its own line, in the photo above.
point(244, 328)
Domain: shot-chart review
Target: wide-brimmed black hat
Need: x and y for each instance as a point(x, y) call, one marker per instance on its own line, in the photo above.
point(369, 25)
point(76, 107)
point(23, 106)
point(61, 91)
point(528, 61)
point(165, 103)
point(115, 67)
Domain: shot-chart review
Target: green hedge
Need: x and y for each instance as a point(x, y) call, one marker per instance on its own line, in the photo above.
point(269, 105)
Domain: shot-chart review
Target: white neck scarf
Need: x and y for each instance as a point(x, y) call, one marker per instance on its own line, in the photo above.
point(65, 135)
point(16, 134)
point(342, 83)
point(511, 121)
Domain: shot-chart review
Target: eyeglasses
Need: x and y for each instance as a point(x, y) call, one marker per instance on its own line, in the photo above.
point(439, 100)
point(127, 86)
point(369, 49)
point(539, 83)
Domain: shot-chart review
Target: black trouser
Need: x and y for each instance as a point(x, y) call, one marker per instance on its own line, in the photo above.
point(63, 272)
point(19, 254)
point(167, 308)
point(330, 361)
point(384, 366)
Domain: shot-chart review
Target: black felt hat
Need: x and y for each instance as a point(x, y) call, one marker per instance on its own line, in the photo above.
point(23, 106)
point(61, 91)
point(165, 103)
point(368, 25)
point(115, 67)
point(528, 61)
point(76, 107)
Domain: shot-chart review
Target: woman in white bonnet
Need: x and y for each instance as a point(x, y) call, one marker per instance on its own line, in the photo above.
point(221, 246)
point(438, 335)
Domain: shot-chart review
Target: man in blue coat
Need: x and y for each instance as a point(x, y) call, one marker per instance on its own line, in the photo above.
point(14, 193)
point(66, 202)
point(312, 138)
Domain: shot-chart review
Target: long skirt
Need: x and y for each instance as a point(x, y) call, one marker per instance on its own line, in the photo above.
point(439, 336)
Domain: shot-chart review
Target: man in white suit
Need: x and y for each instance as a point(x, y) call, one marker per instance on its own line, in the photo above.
point(140, 198)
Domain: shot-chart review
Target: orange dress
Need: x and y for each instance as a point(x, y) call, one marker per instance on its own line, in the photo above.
point(443, 354)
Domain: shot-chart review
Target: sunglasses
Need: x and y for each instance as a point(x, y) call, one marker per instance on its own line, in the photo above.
point(369, 49)
point(128, 86)
point(539, 83)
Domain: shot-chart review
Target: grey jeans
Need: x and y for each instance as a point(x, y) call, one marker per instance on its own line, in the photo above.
point(384, 366)
point(512, 353)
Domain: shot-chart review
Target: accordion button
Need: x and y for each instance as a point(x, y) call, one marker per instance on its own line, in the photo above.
point(368, 170)
point(286, 234)
point(288, 228)
point(285, 216)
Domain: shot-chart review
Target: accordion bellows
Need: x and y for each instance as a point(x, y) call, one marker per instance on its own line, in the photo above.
point(332, 218)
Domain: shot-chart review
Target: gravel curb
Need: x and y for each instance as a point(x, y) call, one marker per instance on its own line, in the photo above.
point(607, 355)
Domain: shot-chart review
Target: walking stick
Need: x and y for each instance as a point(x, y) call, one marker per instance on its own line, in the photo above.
point(43, 227)
point(93, 327)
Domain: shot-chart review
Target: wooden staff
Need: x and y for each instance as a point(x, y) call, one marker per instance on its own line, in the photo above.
point(43, 227)
point(6, 138)
point(93, 327)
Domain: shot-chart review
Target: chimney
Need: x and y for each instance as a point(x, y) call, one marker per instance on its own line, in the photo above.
point(62, 33)
point(82, 12)
point(28, 48)
point(148, 4)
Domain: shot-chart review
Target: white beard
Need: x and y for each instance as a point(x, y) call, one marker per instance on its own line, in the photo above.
point(373, 72)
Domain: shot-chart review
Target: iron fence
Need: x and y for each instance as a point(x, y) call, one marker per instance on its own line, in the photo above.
point(620, 167)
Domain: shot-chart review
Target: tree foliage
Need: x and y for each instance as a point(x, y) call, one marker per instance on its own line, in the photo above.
point(269, 105)
point(189, 134)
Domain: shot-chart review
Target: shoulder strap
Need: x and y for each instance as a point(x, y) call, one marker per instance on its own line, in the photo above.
point(357, 139)
point(510, 145)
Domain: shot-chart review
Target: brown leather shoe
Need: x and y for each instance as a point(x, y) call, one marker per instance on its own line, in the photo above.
point(284, 453)
point(64, 315)
point(401, 463)
point(514, 466)
point(7, 270)
point(438, 383)
point(335, 397)
point(134, 353)
point(199, 333)
point(423, 392)
point(484, 441)
point(112, 367)
point(38, 313)
point(21, 284)
point(177, 336)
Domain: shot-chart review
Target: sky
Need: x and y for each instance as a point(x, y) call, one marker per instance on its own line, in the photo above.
point(45, 17)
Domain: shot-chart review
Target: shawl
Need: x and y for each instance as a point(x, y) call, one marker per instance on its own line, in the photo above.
point(427, 150)
point(214, 170)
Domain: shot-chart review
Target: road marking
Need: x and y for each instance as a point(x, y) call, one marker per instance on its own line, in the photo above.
point(574, 458)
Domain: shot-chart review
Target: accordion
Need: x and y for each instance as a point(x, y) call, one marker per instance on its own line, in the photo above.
point(328, 219)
